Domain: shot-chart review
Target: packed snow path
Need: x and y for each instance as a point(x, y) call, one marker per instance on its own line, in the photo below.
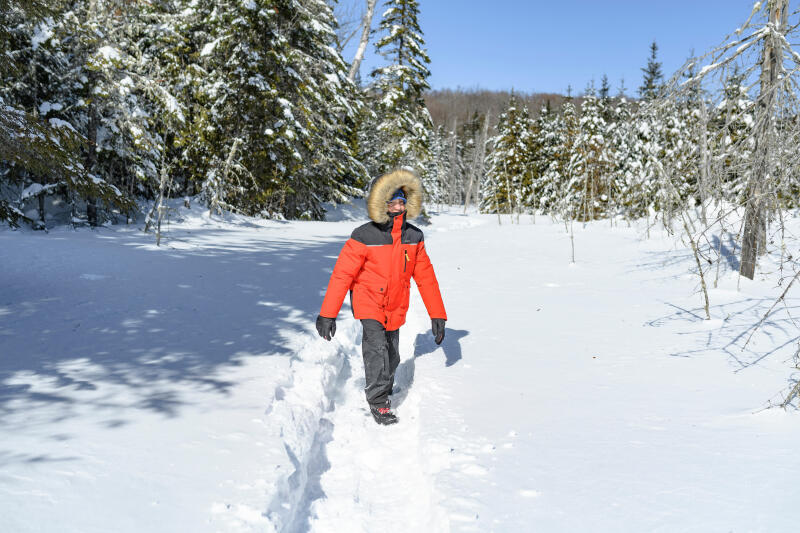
point(183, 388)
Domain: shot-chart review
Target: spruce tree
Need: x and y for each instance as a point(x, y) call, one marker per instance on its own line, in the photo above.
point(625, 167)
point(652, 78)
point(44, 89)
point(563, 170)
point(404, 125)
point(648, 153)
point(588, 187)
point(732, 124)
point(604, 100)
point(678, 174)
point(508, 184)
point(548, 141)
point(272, 128)
point(438, 168)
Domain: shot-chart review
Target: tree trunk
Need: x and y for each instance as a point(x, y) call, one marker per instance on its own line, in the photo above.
point(91, 160)
point(91, 134)
point(366, 24)
point(41, 209)
point(705, 162)
point(755, 218)
point(453, 155)
point(477, 160)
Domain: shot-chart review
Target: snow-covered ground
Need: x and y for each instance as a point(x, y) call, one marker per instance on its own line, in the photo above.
point(183, 388)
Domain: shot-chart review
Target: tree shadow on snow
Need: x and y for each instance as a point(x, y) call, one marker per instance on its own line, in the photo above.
point(658, 260)
point(777, 334)
point(107, 312)
point(729, 250)
point(423, 345)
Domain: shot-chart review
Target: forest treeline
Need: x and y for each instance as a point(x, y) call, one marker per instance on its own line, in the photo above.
point(251, 106)
point(248, 104)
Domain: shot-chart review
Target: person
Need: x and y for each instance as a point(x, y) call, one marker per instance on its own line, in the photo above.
point(375, 266)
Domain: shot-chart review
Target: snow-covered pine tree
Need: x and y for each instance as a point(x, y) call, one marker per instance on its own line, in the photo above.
point(331, 104)
point(275, 109)
point(437, 168)
point(646, 147)
point(589, 186)
point(456, 183)
point(562, 170)
point(166, 52)
point(508, 183)
point(677, 160)
point(732, 142)
point(647, 150)
point(537, 164)
point(404, 125)
point(107, 78)
point(612, 133)
point(547, 187)
point(41, 132)
point(626, 154)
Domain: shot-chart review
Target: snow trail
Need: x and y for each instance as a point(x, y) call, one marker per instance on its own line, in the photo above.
point(377, 479)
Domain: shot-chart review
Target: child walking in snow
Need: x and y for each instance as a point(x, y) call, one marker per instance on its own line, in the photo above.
point(375, 266)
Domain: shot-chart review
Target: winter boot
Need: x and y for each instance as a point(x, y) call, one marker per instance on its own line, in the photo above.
point(383, 414)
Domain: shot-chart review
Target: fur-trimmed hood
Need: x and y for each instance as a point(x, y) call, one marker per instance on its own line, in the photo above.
point(381, 191)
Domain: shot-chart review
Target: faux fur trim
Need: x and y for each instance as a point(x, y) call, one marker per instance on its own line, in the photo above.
point(382, 189)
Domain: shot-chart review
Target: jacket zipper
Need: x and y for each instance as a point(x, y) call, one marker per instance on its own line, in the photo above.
point(405, 252)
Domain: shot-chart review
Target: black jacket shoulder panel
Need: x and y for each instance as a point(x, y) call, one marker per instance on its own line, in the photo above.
point(412, 234)
point(371, 234)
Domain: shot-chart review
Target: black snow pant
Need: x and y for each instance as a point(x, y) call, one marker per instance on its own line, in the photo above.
point(381, 357)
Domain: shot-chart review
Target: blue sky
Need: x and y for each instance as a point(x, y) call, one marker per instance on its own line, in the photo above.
point(537, 46)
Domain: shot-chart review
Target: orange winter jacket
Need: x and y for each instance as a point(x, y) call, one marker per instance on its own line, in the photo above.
point(376, 265)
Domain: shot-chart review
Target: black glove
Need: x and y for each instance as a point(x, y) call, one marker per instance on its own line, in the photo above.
point(437, 325)
point(326, 327)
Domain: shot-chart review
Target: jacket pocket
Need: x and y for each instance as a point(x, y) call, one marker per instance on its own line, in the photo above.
point(367, 296)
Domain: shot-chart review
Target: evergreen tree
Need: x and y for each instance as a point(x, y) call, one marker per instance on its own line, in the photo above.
point(562, 171)
point(652, 78)
point(588, 188)
point(404, 125)
point(732, 141)
point(604, 101)
point(456, 186)
point(107, 79)
point(628, 149)
point(272, 129)
point(604, 89)
point(43, 87)
point(548, 140)
point(508, 184)
point(437, 168)
point(678, 176)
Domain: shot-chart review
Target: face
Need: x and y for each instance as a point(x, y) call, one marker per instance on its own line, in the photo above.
point(396, 206)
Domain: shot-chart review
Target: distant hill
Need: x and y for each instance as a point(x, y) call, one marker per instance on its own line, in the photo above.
point(451, 107)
